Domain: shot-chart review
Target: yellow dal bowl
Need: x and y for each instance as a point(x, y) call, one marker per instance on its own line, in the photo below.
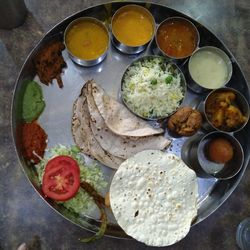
point(87, 41)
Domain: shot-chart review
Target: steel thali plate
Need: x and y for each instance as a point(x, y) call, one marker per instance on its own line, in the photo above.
point(56, 118)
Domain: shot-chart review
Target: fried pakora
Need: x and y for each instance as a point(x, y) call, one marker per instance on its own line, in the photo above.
point(186, 121)
point(49, 63)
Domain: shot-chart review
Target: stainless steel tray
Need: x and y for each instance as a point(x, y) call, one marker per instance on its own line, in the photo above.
point(56, 118)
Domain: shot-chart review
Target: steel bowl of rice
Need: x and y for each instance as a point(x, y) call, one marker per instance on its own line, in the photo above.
point(152, 87)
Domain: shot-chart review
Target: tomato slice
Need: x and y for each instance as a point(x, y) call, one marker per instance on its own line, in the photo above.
point(61, 179)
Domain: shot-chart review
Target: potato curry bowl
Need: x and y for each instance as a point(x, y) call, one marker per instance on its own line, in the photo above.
point(227, 110)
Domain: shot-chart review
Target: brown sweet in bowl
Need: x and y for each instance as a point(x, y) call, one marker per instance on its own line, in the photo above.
point(219, 155)
point(220, 150)
point(185, 121)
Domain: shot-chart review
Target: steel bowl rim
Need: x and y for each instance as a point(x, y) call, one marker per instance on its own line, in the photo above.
point(139, 7)
point(183, 84)
point(237, 93)
point(229, 75)
point(236, 142)
point(186, 20)
point(86, 62)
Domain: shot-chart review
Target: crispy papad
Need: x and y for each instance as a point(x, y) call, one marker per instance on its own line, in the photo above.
point(153, 196)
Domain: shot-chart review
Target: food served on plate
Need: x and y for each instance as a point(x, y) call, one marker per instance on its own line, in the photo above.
point(33, 102)
point(177, 37)
point(153, 196)
point(210, 67)
point(100, 202)
point(49, 63)
point(61, 178)
point(220, 155)
point(116, 144)
point(220, 150)
point(94, 127)
point(186, 121)
point(223, 112)
point(83, 135)
point(87, 38)
point(133, 25)
point(119, 119)
point(65, 157)
point(152, 87)
point(65, 177)
point(107, 131)
point(33, 141)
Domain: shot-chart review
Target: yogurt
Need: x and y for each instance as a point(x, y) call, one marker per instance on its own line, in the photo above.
point(208, 68)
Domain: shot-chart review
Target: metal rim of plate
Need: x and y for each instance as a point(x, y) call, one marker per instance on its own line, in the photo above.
point(218, 192)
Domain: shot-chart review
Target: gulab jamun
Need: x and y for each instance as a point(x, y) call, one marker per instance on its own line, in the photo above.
point(220, 150)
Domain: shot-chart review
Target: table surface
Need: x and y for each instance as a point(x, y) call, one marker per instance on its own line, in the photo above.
point(24, 216)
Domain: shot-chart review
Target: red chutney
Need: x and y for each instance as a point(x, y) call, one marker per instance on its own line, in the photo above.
point(34, 139)
point(177, 38)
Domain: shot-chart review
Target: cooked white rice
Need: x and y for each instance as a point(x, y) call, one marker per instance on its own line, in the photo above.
point(151, 88)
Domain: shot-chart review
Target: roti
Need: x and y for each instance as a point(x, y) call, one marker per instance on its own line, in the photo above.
point(153, 196)
point(84, 138)
point(93, 135)
point(117, 145)
point(118, 118)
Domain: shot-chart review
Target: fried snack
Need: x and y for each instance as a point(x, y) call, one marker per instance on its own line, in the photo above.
point(223, 112)
point(49, 63)
point(186, 121)
point(34, 141)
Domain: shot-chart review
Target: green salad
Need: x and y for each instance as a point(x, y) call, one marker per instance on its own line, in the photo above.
point(82, 202)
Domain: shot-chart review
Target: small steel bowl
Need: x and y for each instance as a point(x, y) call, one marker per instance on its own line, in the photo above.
point(171, 20)
point(175, 68)
point(198, 87)
point(121, 46)
point(220, 170)
point(241, 103)
point(81, 61)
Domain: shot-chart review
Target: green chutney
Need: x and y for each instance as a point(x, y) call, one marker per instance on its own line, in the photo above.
point(33, 103)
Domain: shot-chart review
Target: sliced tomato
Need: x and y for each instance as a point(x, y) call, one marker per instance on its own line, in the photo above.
point(61, 179)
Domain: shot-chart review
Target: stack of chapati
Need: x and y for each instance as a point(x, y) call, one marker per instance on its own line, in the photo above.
point(107, 131)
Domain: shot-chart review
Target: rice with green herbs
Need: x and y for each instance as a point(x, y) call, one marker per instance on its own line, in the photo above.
point(152, 88)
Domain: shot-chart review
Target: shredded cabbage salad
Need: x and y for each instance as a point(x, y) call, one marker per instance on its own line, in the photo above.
point(152, 88)
point(81, 202)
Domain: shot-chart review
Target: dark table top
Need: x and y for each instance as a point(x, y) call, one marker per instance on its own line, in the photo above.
point(24, 216)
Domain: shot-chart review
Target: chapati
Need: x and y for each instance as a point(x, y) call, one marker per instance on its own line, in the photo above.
point(84, 138)
point(115, 144)
point(118, 118)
